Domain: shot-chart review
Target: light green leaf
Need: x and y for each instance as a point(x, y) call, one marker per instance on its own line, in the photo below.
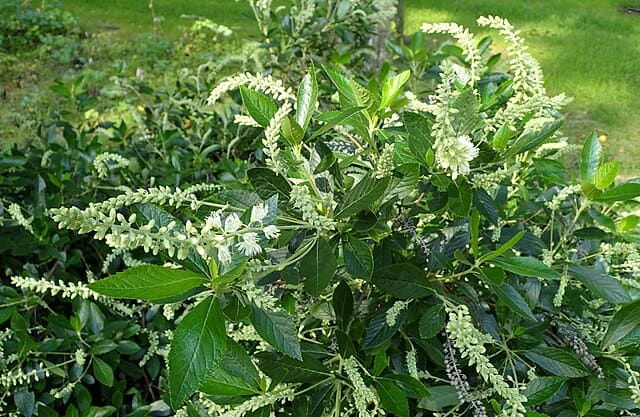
point(505, 247)
point(358, 258)
point(291, 131)
point(149, 282)
point(197, 346)
point(419, 137)
point(318, 267)
point(336, 119)
point(259, 106)
point(558, 362)
point(278, 329)
point(103, 372)
point(591, 156)
point(622, 192)
point(605, 175)
point(235, 374)
point(307, 98)
point(363, 195)
point(392, 87)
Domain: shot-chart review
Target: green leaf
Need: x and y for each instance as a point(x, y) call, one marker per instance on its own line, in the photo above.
point(235, 374)
point(149, 282)
point(278, 329)
point(407, 184)
point(622, 192)
point(307, 98)
point(532, 140)
point(283, 369)
point(358, 258)
point(259, 106)
point(392, 87)
point(501, 137)
point(558, 362)
point(526, 266)
point(402, 281)
point(291, 131)
point(336, 119)
point(419, 135)
point(552, 170)
point(486, 205)
point(378, 331)
point(542, 388)
point(25, 402)
point(601, 284)
point(103, 372)
point(511, 298)
point(197, 346)
point(623, 323)
point(363, 195)
point(605, 175)
point(318, 267)
point(591, 156)
point(266, 183)
point(342, 304)
point(432, 322)
point(392, 398)
point(505, 247)
point(627, 223)
point(411, 387)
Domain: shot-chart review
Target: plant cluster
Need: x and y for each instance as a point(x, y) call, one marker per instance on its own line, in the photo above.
point(403, 243)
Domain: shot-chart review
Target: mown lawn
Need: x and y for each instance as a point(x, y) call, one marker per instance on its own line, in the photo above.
point(588, 49)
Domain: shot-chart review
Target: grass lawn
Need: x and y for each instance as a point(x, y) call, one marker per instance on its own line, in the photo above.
point(588, 49)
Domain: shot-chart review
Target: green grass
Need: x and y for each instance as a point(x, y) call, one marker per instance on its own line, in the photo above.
point(131, 17)
point(587, 48)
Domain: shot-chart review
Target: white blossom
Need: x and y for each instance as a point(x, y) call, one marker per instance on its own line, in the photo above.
point(249, 245)
point(271, 232)
point(232, 223)
point(259, 212)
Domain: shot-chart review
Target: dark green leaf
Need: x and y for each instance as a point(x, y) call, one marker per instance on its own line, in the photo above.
point(342, 304)
point(362, 196)
point(486, 205)
point(197, 346)
point(411, 387)
point(541, 388)
point(149, 282)
point(336, 120)
point(591, 156)
point(558, 362)
point(625, 321)
point(402, 281)
point(432, 321)
point(505, 247)
point(266, 183)
point(278, 329)
point(259, 106)
point(358, 258)
point(532, 140)
point(510, 297)
point(601, 284)
point(25, 402)
point(318, 267)
point(392, 398)
point(288, 370)
point(378, 331)
point(419, 135)
point(442, 397)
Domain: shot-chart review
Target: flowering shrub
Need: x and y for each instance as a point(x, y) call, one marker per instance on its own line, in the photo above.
point(393, 254)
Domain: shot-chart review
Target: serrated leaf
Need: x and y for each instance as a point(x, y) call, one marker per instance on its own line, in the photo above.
point(591, 156)
point(259, 106)
point(623, 323)
point(402, 281)
point(278, 329)
point(284, 369)
point(486, 205)
point(342, 304)
point(266, 183)
point(318, 267)
point(336, 119)
point(102, 371)
point(605, 175)
point(291, 131)
point(363, 195)
point(149, 282)
point(358, 258)
point(432, 321)
point(601, 284)
point(392, 87)
point(419, 137)
point(622, 192)
point(532, 140)
point(378, 331)
point(410, 386)
point(197, 346)
point(392, 398)
point(541, 388)
point(234, 374)
point(511, 298)
point(307, 98)
point(526, 266)
point(25, 401)
point(558, 362)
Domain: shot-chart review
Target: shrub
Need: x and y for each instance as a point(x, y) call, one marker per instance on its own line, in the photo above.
point(390, 254)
